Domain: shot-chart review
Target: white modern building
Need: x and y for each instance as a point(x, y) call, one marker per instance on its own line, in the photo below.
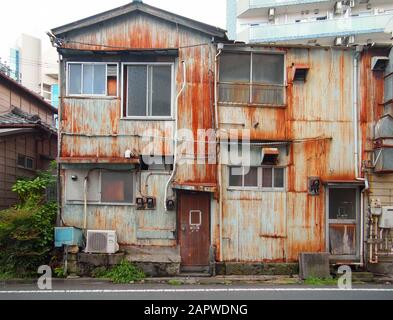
point(315, 22)
point(35, 66)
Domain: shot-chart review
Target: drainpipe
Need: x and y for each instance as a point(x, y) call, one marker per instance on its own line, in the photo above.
point(218, 158)
point(175, 135)
point(357, 147)
point(85, 202)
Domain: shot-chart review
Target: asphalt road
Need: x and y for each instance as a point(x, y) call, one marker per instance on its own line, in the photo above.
point(108, 291)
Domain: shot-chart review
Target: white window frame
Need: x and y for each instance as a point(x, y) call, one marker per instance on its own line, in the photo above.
point(260, 180)
point(106, 79)
point(124, 100)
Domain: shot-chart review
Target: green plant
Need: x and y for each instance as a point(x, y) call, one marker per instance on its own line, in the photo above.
point(312, 281)
point(175, 282)
point(125, 272)
point(59, 272)
point(27, 230)
point(99, 272)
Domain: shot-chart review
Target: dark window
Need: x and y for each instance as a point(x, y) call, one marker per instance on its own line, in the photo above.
point(25, 162)
point(235, 177)
point(149, 91)
point(252, 77)
point(117, 187)
point(342, 204)
point(267, 177)
point(257, 177)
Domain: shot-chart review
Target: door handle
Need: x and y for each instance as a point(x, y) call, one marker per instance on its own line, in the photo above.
point(183, 227)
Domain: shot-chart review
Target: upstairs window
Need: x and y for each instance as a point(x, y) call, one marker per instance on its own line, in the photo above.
point(252, 78)
point(149, 90)
point(92, 79)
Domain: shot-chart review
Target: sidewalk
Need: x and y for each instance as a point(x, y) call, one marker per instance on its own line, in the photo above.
point(194, 280)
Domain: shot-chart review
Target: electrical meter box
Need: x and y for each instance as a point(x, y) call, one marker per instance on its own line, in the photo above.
point(386, 219)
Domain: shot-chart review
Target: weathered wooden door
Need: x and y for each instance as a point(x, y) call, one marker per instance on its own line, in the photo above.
point(194, 228)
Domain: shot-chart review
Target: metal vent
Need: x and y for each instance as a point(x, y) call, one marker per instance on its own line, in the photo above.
point(112, 70)
point(102, 241)
point(97, 242)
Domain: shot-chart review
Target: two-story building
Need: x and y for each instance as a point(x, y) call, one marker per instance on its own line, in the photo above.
point(28, 136)
point(199, 151)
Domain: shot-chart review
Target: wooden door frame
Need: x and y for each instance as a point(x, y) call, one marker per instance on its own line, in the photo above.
point(179, 212)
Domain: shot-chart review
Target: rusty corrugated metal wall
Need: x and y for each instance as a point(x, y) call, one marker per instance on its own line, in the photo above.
point(92, 129)
point(277, 226)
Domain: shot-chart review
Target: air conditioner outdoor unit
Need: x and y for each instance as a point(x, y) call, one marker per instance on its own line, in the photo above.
point(350, 40)
point(102, 241)
point(386, 219)
point(338, 7)
point(339, 41)
point(271, 14)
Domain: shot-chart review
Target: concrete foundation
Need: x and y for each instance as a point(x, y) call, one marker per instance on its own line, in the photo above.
point(314, 265)
point(234, 268)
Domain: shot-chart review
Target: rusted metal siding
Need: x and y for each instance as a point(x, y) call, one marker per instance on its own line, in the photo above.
point(318, 119)
point(93, 129)
point(145, 227)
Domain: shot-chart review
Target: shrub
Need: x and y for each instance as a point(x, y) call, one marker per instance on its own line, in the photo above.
point(125, 272)
point(27, 230)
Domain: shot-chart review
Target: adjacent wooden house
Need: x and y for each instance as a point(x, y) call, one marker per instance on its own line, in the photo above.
point(28, 136)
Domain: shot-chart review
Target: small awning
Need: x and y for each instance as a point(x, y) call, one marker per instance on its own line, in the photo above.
point(206, 187)
point(359, 183)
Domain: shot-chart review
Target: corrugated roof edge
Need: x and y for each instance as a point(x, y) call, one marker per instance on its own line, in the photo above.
point(142, 7)
point(32, 94)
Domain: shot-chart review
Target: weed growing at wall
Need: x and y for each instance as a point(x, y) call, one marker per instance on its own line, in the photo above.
point(27, 229)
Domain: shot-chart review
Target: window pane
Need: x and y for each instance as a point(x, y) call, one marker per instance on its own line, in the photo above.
point(342, 204)
point(87, 79)
point(75, 81)
point(29, 163)
point(268, 68)
point(235, 179)
point(235, 67)
point(21, 160)
point(117, 187)
point(267, 175)
point(161, 91)
point(137, 87)
point(251, 178)
point(99, 78)
point(278, 177)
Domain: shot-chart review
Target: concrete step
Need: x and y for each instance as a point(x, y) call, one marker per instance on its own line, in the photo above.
point(363, 276)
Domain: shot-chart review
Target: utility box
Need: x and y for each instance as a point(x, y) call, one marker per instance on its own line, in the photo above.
point(68, 236)
point(314, 265)
point(386, 219)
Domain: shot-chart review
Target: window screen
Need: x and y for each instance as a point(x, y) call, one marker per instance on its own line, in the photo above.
point(235, 67)
point(268, 68)
point(117, 187)
point(137, 91)
point(149, 92)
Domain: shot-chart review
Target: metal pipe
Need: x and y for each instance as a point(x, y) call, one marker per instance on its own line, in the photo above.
point(85, 202)
point(175, 135)
point(218, 150)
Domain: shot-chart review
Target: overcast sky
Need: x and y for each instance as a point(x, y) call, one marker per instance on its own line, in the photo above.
point(35, 17)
